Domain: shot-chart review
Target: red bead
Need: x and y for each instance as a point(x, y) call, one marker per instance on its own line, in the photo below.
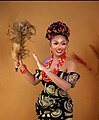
point(24, 70)
point(56, 69)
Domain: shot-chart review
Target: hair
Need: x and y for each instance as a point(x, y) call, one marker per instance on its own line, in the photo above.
point(58, 28)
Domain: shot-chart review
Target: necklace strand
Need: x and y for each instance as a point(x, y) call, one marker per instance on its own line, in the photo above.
point(56, 69)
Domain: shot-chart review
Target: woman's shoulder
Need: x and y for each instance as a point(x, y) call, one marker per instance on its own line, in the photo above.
point(71, 65)
point(70, 61)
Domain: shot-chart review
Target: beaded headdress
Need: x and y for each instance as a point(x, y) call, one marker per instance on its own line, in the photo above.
point(57, 28)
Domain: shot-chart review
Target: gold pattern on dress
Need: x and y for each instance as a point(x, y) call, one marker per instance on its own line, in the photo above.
point(46, 112)
point(36, 74)
point(62, 93)
point(68, 114)
point(56, 92)
point(61, 76)
point(73, 78)
point(40, 77)
point(48, 115)
point(56, 113)
point(53, 101)
point(50, 89)
point(43, 115)
point(68, 106)
point(46, 101)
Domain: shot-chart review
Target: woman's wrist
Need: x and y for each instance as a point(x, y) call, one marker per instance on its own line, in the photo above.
point(48, 70)
point(23, 70)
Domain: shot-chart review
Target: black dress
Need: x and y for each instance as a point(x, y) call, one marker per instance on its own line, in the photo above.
point(53, 103)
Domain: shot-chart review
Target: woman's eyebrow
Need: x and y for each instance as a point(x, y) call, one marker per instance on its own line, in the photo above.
point(64, 41)
point(58, 41)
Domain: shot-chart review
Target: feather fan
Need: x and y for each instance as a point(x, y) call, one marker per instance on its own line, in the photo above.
point(19, 32)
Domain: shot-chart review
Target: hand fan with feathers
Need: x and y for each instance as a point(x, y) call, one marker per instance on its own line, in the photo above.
point(19, 32)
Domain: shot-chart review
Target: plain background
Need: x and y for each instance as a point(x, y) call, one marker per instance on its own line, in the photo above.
point(17, 95)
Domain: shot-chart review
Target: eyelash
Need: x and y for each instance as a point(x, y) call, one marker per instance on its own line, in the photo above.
point(55, 43)
point(62, 43)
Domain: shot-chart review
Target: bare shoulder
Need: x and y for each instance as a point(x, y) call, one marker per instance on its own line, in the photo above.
point(71, 65)
point(70, 61)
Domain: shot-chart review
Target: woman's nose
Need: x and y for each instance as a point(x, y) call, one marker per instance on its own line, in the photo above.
point(59, 46)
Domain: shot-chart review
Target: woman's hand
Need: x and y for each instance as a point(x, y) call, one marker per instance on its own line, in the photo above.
point(41, 67)
point(18, 64)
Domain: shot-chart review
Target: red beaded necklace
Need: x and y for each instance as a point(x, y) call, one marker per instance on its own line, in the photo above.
point(56, 69)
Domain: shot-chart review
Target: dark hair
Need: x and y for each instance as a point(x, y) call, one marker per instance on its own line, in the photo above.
point(57, 28)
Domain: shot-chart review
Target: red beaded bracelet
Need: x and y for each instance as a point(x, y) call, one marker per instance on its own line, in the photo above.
point(24, 70)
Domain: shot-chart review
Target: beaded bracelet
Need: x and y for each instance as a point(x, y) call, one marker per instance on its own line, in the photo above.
point(24, 70)
point(48, 70)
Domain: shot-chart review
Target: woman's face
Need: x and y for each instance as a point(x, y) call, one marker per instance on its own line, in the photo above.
point(58, 45)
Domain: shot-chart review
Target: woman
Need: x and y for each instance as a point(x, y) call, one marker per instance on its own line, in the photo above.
point(57, 74)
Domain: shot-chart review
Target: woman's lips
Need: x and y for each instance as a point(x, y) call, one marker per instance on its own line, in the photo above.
point(59, 51)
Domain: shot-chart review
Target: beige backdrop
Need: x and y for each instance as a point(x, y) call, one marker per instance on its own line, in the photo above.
point(17, 95)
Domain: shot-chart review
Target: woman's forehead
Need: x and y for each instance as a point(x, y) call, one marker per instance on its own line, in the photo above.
point(59, 38)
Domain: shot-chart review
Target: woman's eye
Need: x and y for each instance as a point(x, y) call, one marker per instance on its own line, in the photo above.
point(63, 43)
point(55, 43)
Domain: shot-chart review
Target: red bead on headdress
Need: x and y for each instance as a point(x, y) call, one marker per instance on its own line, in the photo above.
point(57, 28)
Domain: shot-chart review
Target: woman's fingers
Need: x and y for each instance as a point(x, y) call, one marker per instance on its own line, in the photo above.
point(21, 62)
point(16, 62)
point(35, 56)
point(37, 60)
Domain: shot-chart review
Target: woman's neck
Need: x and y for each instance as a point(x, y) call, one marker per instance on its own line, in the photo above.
point(56, 57)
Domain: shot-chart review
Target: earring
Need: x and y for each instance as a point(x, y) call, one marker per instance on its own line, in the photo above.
point(51, 52)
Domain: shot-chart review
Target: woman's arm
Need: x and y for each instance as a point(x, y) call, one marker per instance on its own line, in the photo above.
point(29, 76)
point(63, 84)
